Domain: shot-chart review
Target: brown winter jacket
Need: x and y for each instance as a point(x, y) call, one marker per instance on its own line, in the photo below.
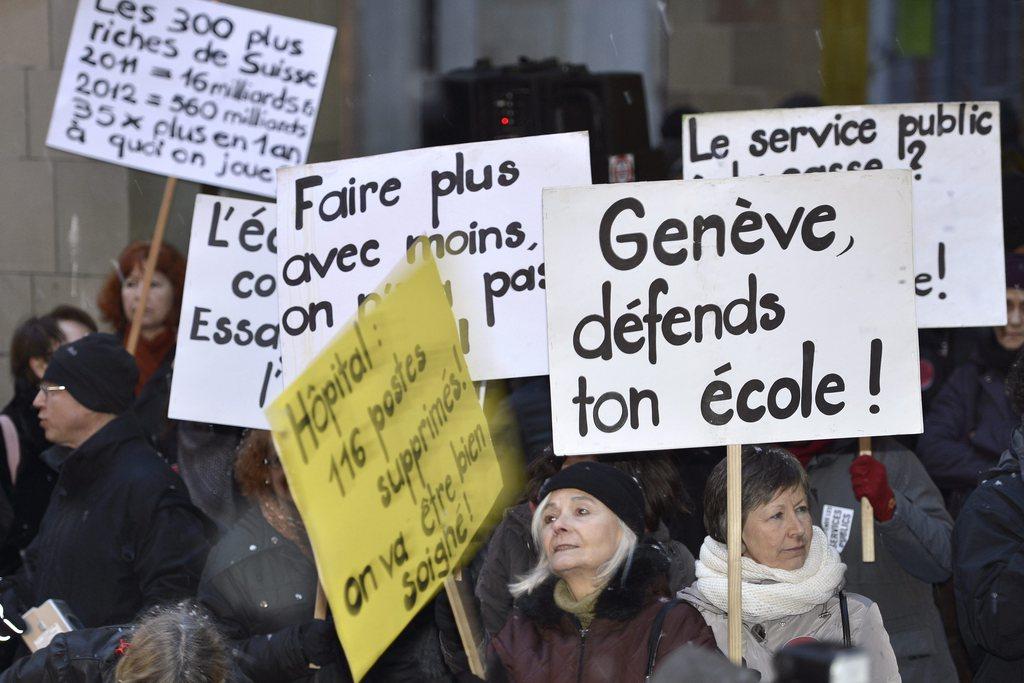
point(540, 642)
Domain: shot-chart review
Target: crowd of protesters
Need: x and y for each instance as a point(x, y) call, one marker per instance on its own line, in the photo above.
point(179, 555)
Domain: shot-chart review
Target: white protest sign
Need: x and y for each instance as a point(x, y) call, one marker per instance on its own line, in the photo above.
point(953, 150)
point(192, 89)
point(345, 224)
point(710, 312)
point(227, 366)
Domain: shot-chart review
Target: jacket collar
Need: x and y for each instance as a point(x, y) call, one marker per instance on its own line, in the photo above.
point(621, 600)
point(1012, 459)
point(86, 462)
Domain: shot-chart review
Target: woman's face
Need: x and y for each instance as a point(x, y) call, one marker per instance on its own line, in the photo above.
point(579, 533)
point(778, 534)
point(1011, 335)
point(158, 304)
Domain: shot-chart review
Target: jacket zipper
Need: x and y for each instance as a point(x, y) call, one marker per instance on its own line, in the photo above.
point(583, 647)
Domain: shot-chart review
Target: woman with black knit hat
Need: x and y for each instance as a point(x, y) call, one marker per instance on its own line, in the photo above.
point(595, 606)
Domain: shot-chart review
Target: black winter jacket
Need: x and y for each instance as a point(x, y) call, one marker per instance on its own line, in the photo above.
point(119, 535)
point(968, 425)
point(262, 589)
point(988, 569)
point(85, 656)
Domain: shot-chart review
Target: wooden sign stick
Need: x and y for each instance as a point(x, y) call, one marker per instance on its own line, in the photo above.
point(460, 596)
point(867, 513)
point(150, 268)
point(734, 542)
point(320, 606)
point(319, 609)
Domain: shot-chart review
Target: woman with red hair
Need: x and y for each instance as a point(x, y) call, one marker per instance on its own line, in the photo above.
point(119, 302)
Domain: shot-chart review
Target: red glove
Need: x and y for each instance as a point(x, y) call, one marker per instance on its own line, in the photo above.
point(870, 481)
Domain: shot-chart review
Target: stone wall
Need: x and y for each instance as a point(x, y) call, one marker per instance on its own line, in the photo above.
point(63, 215)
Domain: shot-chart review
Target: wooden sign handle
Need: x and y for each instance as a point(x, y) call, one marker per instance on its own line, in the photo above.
point(734, 543)
point(150, 268)
point(320, 606)
point(460, 595)
point(867, 513)
point(319, 610)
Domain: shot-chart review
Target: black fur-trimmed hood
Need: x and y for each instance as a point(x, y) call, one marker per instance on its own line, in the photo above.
point(632, 588)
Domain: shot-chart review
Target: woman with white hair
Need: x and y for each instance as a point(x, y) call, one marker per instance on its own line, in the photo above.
point(595, 606)
point(792, 578)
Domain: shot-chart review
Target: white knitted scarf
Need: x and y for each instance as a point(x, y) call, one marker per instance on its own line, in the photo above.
point(769, 593)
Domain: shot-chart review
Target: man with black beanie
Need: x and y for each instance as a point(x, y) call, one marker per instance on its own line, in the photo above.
point(120, 534)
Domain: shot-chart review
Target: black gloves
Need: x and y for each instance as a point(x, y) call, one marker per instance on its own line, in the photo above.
point(320, 642)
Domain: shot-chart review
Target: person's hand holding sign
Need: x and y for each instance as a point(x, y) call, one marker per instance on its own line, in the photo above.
point(320, 642)
point(870, 481)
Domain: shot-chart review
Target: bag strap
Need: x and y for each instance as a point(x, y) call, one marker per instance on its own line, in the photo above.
point(12, 445)
point(844, 613)
point(655, 638)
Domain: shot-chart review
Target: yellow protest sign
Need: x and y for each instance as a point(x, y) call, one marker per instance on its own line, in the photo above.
point(389, 460)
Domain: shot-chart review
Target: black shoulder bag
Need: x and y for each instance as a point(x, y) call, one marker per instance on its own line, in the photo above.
point(844, 613)
point(655, 638)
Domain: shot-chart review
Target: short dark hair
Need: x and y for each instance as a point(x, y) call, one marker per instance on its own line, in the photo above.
point(767, 470)
point(74, 314)
point(34, 338)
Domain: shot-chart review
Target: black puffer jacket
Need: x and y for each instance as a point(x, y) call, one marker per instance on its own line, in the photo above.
point(89, 655)
point(988, 569)
point(262, 589)
point(119, 535)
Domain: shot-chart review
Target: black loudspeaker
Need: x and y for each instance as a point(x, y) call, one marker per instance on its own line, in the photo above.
point(534, 98)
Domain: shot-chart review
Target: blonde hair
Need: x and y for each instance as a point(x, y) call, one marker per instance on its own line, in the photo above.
point(177, 644)
point(542, 571)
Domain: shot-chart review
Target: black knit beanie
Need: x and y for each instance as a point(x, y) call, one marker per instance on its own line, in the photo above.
point(98, 372)
point(619, 492)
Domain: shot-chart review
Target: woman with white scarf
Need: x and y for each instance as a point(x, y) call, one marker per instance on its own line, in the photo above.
point(792, 578)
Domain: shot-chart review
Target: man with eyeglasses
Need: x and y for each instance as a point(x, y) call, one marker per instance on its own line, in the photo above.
point(120, 533)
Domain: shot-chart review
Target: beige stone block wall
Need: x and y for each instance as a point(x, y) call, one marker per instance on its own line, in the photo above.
point(64, 216)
